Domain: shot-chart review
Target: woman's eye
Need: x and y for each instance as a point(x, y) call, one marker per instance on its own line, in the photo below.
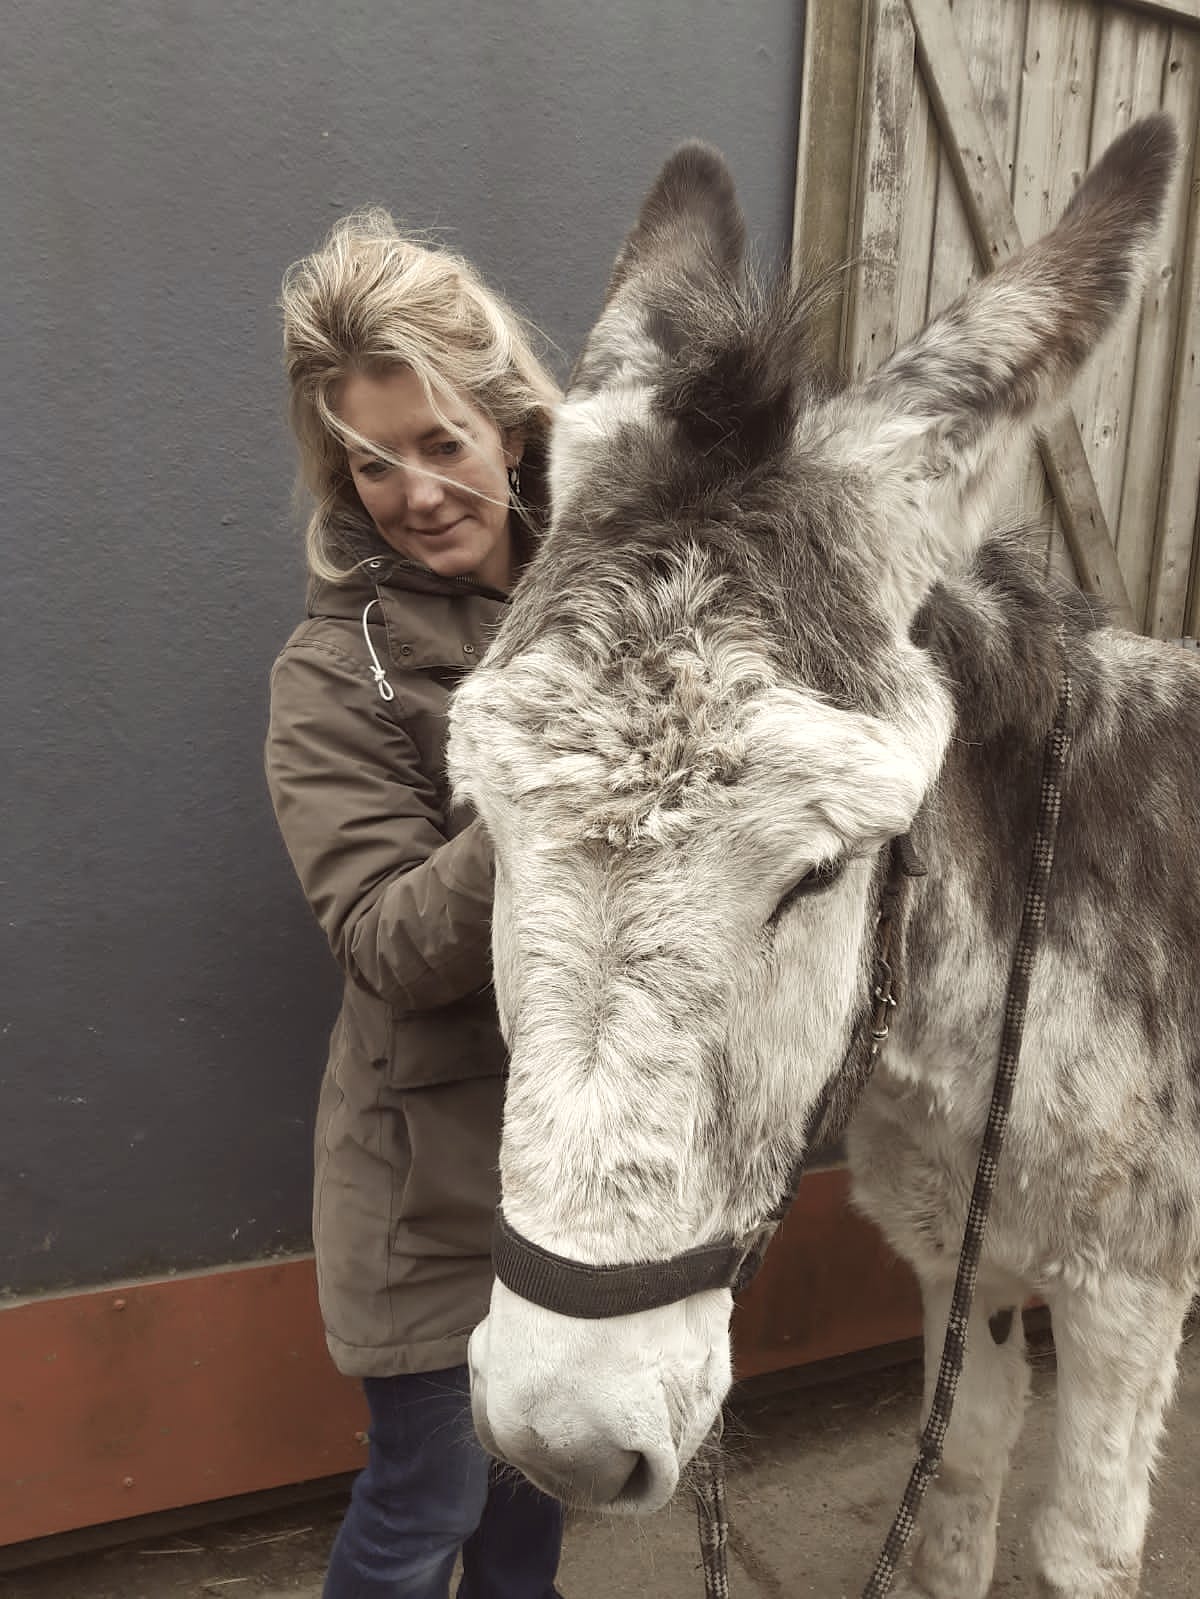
point(372, 469)
point(815, 881)
point(449, 448)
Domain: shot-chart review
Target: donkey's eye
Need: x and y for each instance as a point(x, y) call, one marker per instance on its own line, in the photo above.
point(815, 881)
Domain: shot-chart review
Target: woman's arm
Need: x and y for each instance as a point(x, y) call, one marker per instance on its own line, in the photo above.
point(407, 913)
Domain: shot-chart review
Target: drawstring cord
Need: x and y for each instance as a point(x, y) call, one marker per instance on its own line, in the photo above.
point(386, 691)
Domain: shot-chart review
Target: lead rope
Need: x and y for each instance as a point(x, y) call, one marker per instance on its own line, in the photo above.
point(709, 1478)
point(712, 1516)
point(1033, 922)
point(708, 1474)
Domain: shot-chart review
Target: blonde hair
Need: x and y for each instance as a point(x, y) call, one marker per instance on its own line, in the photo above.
point(370, 299)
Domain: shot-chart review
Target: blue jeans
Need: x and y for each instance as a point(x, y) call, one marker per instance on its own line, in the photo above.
point(429, 1491)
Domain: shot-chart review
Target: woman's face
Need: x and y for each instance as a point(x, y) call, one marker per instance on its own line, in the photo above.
point(447, 506)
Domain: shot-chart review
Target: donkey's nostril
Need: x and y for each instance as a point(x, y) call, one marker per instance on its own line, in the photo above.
point(604, 1482)
point(638, 1483)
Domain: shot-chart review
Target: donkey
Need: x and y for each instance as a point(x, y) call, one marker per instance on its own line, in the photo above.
point(770, 631)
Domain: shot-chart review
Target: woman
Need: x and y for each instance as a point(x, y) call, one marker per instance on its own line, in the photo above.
point(421, 415)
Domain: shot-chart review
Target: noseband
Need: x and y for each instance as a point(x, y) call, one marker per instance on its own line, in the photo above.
point(573, 1288)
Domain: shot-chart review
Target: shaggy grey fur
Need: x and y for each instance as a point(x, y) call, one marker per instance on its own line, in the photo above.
point(769, 628)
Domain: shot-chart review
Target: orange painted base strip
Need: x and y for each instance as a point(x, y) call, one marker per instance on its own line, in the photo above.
point(829, 1286)
point(143, 1397)
point(132, 1399)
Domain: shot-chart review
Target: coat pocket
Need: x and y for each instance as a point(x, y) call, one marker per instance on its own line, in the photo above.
point(448, 1045)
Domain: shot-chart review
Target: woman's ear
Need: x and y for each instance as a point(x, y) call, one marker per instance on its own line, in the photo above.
point(514, 447)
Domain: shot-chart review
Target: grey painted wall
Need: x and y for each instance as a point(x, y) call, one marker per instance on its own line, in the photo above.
point(166, 999)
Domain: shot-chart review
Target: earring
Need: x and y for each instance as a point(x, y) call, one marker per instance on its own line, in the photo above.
point(514, 479)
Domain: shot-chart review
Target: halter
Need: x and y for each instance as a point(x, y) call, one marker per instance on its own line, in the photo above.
point(573, 1288)
point(553, 1281)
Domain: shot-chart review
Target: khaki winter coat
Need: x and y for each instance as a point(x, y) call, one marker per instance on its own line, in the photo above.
point(408, 1124)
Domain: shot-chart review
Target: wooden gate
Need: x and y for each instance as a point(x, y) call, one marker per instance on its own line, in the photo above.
point(935, 136)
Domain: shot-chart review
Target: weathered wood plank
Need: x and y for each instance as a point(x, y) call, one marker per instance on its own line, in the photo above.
point(1055, 116)
point(827, 155)
point(1054, 139)
point(1164, 457)
point(1176, 547)
point(917, 217)
point(1168, 10)
point(965, 136)
point(991, 38)
point(1130, 59)
point(1153, 360)
point(993, 222)
point(1034, 499)
point(954, 261)
point(1193, 610)
point(1083, 523)
point(886, 103)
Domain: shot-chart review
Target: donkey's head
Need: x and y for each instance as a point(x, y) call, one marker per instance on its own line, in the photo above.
point(701, 721)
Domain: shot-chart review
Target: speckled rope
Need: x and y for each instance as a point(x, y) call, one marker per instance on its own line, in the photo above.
point(710, 1480)
point(709, 1473)
point(713, 1519)
point(1033, 921)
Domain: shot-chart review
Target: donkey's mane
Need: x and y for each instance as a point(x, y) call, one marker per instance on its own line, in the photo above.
point(995, 631)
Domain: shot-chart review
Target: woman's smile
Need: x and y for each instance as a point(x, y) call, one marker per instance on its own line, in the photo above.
point(436, 532)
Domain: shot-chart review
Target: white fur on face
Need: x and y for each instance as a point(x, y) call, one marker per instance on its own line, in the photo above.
point(638, 867)
point(669, 1038)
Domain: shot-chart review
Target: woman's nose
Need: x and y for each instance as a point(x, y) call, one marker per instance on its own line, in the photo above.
point(425, 493)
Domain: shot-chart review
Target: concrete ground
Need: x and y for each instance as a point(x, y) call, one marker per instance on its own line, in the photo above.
point(815, 1474)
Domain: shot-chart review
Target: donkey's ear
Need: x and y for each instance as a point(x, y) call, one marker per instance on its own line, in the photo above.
point(946, 408)
point(1012, 345)
point(690, 220)
point(689, 233)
